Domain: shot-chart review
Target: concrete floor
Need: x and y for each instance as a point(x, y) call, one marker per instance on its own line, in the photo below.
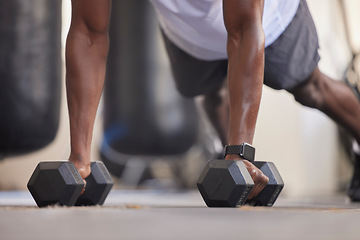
point(178, 215)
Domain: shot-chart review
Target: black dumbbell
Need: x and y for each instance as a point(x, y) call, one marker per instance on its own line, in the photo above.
point(60, 183)
point(270, 193)
point(227, 183)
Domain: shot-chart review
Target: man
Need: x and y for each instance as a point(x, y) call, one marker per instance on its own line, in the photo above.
point(208, 41)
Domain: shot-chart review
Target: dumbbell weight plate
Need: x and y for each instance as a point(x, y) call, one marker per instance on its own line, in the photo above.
point(55, 183)
point(225, 183)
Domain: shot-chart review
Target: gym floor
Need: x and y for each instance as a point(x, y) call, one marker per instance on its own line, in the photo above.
point(149, 214)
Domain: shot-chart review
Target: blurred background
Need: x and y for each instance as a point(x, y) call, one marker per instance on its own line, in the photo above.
point(145, 132)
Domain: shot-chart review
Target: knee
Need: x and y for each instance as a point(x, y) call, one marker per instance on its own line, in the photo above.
point(214, 99)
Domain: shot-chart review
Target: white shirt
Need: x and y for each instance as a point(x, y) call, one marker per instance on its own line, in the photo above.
point(197, 26)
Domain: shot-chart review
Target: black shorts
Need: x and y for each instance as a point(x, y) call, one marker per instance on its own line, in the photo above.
point(289, 60)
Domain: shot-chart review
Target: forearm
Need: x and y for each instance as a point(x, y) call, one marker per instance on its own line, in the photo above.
point(245, 79)
point(245, 48)
point(85, 73)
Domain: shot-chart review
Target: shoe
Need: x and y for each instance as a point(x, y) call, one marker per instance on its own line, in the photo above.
point(354, 189)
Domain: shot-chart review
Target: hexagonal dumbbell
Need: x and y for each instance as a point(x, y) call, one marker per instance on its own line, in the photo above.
point(98, 185)
point(60, 183)
point(225, 183)
point(270, 193)
point(55, 183)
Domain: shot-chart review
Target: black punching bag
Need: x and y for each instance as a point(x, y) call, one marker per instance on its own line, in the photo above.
point(30, 74)
point(143, 112)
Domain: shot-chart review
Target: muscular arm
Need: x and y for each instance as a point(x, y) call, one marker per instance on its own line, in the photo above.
point(86, 52)
point(245, 48)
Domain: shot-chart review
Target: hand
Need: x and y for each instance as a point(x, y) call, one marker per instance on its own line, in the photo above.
point(259, 178)
point(83, 167)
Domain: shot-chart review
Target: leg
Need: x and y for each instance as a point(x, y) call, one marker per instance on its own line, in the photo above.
point(333, 98)
point(339, 102)
point(216, 106)
point(293, 65)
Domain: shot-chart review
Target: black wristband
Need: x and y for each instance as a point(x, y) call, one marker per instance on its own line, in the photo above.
point(245, 151)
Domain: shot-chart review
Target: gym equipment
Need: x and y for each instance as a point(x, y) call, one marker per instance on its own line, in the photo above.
point(30, 74)
point(60, 183)
point(227, 183)
point(144, 115)
point(98, 186)
point(55, 183)
point(270, 193)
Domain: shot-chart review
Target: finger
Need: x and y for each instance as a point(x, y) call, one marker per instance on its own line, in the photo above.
point(256, 190)
point(83, 190)
point(248, 164)
point(259, 178)
point(254, 176)
point(260, 182)
point(264, 183)
point(253, 193)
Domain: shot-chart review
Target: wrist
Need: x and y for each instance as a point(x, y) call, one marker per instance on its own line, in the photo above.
point(234, 157)
point(242, 151)
point(80, 158)
point(81, 163)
